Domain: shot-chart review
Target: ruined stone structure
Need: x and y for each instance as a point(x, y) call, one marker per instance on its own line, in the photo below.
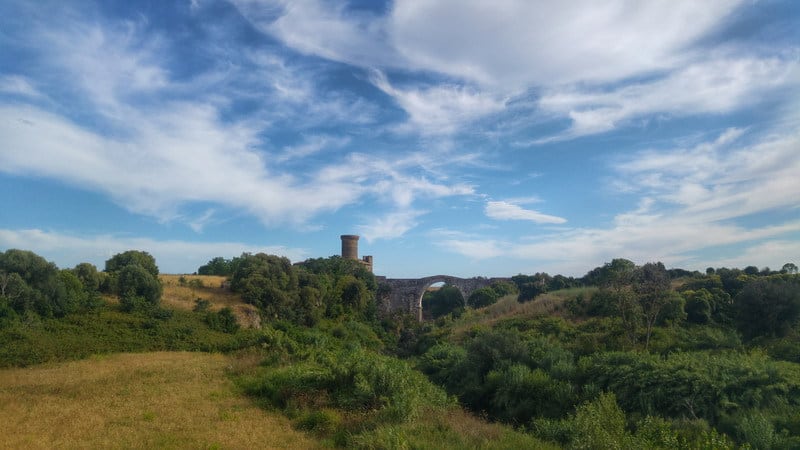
point(405, 294)
point(350, 250)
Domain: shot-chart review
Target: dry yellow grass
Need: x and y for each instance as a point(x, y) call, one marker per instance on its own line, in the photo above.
point(176, 295)
point(152, 400)
point(182, 296)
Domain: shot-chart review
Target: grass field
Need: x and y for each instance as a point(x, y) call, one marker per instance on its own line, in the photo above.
point(150, 400)
point(548, 304)
point(179, 295)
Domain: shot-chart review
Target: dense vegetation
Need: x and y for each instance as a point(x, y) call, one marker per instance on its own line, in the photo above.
point(625, 357)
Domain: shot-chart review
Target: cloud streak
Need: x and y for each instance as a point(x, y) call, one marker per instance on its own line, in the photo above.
point(692, 200)
point(500, 210)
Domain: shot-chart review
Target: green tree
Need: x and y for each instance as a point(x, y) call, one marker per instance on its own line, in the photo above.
point(268, 282)
point(482, 297)
point(216, 266)
point(601, 425)
point(503, 288)
point(790, 268)
point(89, 276)
point(618, 272)
point(353, 293)
point(140, 258)
point(443, 301)
point(138, 288)
point(652, 286)
point(34, 283)
point(698, 306)
point(768, 307)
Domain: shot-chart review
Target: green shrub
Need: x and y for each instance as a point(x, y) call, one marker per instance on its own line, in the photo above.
point(223, 320)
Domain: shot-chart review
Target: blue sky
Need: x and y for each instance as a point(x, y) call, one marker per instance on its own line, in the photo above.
point(455, 136)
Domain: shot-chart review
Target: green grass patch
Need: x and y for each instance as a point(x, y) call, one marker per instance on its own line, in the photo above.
point(109, 330)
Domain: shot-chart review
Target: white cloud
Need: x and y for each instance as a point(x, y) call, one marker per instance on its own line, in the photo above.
point(692, 200)
point(441, 109)
point(18, 85)
point(500, 210)
point(172, 256)
point(509, 44)
point(310, 146)
point(390, 226)
point(321, 28)
point(720, 180)
point(519, 43)
point(154, 153)
point(715, 86)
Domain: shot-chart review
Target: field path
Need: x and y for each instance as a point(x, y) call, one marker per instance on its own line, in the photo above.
point(148, 400)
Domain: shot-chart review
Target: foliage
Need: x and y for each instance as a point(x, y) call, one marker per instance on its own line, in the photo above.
point(132, 257)
point(217, 266)
point(138, 288)
point(223, 320)
point(443, 301)
point(482, 297)
point(109, 330)
point(31, 284)
point(768, 307)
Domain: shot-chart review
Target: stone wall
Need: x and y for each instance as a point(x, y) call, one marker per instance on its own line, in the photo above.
point(405, 294)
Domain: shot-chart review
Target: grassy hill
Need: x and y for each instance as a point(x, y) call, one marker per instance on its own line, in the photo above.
point(149, 400)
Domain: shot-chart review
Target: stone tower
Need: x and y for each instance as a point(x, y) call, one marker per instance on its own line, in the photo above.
point(349, 246)
point(350, 250)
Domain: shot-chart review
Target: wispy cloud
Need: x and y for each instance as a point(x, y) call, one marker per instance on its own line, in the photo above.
point(441, 109)
point(508, 45)
point(310, 146)
point(156, 144)
point(390, 226)
point(18, 85)
point(714, 87)
point(691, 200)
point(503, 210)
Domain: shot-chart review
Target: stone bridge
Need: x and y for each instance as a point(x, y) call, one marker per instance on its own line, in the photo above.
point(405, 294)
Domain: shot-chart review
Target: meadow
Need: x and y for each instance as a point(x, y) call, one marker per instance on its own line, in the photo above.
point(137, 400)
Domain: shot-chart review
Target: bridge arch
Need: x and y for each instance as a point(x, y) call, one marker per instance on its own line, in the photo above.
point(405, 294)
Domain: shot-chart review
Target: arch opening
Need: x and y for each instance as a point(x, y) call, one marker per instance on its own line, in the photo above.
point(440, 298)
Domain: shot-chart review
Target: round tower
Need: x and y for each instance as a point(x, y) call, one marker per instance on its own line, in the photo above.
point(349, 246)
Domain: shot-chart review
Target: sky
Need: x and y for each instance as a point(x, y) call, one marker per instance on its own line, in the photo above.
point(458, 137)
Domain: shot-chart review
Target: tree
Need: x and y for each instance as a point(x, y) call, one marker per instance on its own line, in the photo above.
point(353, 294)
point(121, 260)
point(36, 286)
point(789, 268)
point(443, 301)
point(751, 270)
point(698, 306)
point(89, 276)
point(651, 284)
point(482, 297)
point(768, 307)
point(138, 288)
point(216, 266)
point(530, 286)
point(618, 272)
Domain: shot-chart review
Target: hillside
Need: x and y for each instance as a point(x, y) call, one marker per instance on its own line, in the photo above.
point(149, 400)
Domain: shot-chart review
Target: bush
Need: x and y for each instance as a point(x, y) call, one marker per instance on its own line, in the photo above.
point(482, 297)
point(768, 307)
point(223, 320)
point(138, 288)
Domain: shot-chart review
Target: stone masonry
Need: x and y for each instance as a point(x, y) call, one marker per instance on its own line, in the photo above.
point(405, 294)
